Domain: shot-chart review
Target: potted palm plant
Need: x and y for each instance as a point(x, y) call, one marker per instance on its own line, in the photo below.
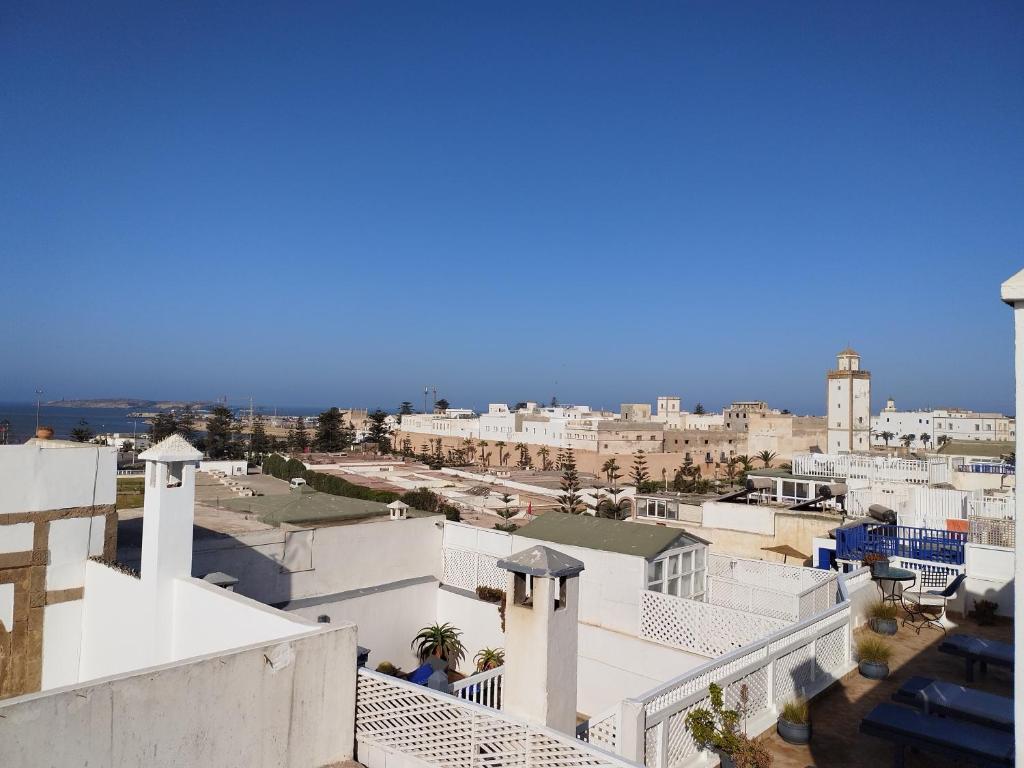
point(882, 618)
point(794, 724)
point(873, 656)
point(718, 729)
point(441, 641)
point(489, 658)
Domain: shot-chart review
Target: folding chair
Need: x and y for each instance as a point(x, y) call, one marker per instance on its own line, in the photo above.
point(926, 605)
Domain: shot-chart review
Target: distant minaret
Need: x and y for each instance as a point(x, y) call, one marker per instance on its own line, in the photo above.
point(849, 405)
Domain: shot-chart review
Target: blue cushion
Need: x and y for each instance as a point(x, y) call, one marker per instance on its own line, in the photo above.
point(908, 726)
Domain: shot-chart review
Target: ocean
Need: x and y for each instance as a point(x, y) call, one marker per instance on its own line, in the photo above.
point(22, 419)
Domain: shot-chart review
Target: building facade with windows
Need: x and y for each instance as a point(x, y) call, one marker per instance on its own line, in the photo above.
point(931, 428)
point(848, 389)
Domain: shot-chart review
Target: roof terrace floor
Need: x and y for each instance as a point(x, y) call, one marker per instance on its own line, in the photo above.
point(836, 713)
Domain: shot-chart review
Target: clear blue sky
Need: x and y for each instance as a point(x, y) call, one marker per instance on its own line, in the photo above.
point(342, 202)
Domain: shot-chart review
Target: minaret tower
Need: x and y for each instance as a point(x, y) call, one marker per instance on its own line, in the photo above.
point(849, 405)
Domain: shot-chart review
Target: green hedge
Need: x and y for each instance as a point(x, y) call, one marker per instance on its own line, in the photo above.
point(286, 469)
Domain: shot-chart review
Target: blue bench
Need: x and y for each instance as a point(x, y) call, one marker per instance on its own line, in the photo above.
point(956, 701)
point(952, 738)
point(978, 650)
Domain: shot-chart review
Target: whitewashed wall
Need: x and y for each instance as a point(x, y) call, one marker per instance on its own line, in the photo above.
point(990, 577)
point(750, 518)
point(208, 619)
point(613, 666)
point(386, 620)
point(228, 467)
point(610, 584)
point(36, 477)
point(281, 704)
point(118, 624)
point(62, 642)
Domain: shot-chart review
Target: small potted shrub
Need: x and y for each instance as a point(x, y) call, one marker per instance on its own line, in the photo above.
point(718, 729)
point(794, 724)
point(387, 668)
point(873, 656)
point(873, 560)
point(985, 612)
point(882, 618)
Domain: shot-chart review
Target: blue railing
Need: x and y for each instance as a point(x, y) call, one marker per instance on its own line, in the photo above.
point(932, 544)
point(987, 468)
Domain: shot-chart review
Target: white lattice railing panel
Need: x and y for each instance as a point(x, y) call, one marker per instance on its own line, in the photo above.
point(752, 599)
point(709, 630)
point(603, 730)
point(451, 733)
point(466, 569)
point(484, 688)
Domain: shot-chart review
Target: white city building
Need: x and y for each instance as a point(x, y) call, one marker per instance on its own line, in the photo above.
point(939, 423)
point(849, 405)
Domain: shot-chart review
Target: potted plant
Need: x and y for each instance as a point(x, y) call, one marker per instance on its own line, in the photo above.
point(718, 729)
point(873, 559)
point(489, 658)
point(882, 618)
point(441, 641)
point(873, 656)
point(985, 612)
point(794, 724)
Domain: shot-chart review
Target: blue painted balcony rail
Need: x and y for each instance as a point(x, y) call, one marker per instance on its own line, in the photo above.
point(932, 544)
point(988, 468)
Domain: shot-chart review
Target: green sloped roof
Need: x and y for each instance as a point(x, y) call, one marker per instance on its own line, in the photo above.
point(599, 533)
point(308, 508)
point(990, 448)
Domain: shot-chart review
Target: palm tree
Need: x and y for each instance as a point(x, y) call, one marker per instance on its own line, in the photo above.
point(943, 439)
point(545, 458)
point(483, 447)
point(441, 640)
point(611, 471)
point(489, 658)
point(502, 456)
point(767, 457)
point(886, 436)
point(907, 440)
point(730, 468)
point(747, 462)
point(524, 455)
point(469, 445)
point(925, 439)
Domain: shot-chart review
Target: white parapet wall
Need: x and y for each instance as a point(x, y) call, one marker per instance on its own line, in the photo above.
point(44, 475)
point(287, 703)
point(990, 577)
point(227, 466)
point(749, 518)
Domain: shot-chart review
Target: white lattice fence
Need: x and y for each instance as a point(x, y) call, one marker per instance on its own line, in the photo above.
point(466, 569)
point(709, 630)
point(447, 732)
point(727, 593)
point(603, 730)
point(798, 661)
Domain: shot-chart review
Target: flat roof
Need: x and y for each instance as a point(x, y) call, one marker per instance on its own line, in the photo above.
point(306, 508)
point(787, 475)
point(600, 533)
point(988, 448)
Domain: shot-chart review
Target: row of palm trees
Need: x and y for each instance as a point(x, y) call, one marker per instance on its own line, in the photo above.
point(908, 440)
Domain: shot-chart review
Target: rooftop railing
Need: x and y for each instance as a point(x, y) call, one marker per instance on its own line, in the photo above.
point(857, 466)
point(926, 544)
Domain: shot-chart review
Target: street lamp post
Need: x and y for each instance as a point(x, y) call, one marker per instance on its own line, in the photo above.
point(39, 395)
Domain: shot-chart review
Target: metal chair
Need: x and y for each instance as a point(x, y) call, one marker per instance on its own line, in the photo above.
point(927, 607)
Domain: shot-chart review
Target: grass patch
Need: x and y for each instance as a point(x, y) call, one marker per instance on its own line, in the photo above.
point(130, 492)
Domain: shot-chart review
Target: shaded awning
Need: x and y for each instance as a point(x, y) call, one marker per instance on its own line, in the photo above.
point(786, 551)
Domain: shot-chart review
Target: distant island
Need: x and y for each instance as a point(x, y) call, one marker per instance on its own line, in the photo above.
point(129, 402)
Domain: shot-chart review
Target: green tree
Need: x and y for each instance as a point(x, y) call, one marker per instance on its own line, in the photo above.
point(82, 432)
point(925, 439)
point(524, 455)
point(698, 409)
point(379, 432)
point(483, 451)
point(186, 424)
point(259, 443)
point(767, 457)
point(502, 456)
point(301, 435)
point(506, 513)
point(441, 406)
point(405, 409)
point(907, 440)
point(639, 474)
point(332, 434)
point(611, 471)
point(469, 449)
point(886, 436)
point(545, 458)
point(943, 439)
point(220, 440)
point(570, 501)
point(442, 640)
point(163, 426)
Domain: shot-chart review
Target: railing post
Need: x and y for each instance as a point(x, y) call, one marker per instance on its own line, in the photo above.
point(632, 733)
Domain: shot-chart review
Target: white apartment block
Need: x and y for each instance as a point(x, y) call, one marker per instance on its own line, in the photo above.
point(849, 405)
point(953, 423)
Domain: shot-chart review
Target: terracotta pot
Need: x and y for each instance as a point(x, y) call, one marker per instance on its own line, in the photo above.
point(44, 433)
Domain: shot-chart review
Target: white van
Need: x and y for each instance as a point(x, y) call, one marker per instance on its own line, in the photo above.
point(297, 482)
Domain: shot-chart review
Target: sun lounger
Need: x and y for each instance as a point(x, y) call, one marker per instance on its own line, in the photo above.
point(956, 701)
point(978, 650)
point(952, 738)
